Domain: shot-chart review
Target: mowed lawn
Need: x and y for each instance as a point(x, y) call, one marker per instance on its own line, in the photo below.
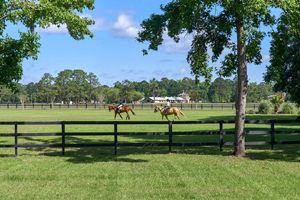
point(145, 172)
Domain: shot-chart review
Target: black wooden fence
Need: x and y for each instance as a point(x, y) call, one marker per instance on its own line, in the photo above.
point(142, 106)
point(170, 133)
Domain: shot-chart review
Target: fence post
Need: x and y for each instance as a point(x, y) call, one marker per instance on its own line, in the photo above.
point(221, 136)
point(16, 138)
point(212, 106)
point(68, 105)
point(170, 137)
point(33, 106)
point(181, 106)
point(86, 106)
point(132, 106)
point(272, 135)
point(7, 105)
point(142, 105)
point(191, 106)
point(16, 105)
point(254, 106)
point(63, 137)
point(201, 106)
point(42, 106)
point(116, 136)
point(232, 106)
point(222, 106)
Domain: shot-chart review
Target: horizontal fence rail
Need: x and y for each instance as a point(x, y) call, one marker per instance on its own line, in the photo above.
point(169, 133)
point(142, 106)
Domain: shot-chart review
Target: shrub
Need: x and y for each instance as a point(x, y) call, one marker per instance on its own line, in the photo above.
point(265, 107)
point(250, 112)
point(288, 108)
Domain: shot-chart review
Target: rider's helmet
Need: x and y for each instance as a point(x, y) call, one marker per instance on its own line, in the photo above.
point(168, 100)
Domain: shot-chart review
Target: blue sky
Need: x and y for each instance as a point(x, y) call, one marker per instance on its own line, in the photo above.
point(113, 54)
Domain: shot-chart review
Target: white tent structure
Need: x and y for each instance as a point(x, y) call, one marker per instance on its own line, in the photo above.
point(164, 99)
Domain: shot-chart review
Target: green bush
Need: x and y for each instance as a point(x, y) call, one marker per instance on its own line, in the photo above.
point(265, 107)
point(288, 108)
point(250, 112)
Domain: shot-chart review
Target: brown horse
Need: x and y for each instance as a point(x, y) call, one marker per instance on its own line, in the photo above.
point(124, 109)
point(173, 111)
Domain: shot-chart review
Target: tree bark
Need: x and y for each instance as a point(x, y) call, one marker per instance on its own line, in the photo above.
point(239, 139)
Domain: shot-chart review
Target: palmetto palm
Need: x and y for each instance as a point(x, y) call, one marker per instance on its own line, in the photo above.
point(277, 101)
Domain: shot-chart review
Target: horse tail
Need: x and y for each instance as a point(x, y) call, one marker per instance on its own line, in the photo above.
point(132, 111)
point(182, 113)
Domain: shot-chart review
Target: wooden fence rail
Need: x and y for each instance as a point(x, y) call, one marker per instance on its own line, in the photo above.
point(142, 106)
point(170, 133)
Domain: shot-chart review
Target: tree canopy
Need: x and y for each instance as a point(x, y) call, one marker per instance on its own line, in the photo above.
point(211, 30)
point(284, 68)
point(31, 13)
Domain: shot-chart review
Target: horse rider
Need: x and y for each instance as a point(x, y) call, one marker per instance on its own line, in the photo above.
point(167, 108)
point(120, 105)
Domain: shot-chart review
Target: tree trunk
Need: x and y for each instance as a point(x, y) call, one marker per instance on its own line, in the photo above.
point(239, 137)
point(276, 109)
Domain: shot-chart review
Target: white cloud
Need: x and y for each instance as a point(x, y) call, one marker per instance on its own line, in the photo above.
point(98, 26)
point(125, 27)
point(104, 75)
point(165, 60)
point(180, 72)
point(184, 45)
point(266, 58)
point(160, 72)
point(53, 29)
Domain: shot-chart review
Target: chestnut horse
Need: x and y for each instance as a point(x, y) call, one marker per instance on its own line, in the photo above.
point(124, 109)
point(173, 111)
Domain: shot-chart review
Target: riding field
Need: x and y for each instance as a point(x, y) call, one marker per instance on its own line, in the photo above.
point(202, 172)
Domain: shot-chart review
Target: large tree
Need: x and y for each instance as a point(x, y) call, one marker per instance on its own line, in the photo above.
point(221, 89)
point(46, 87)
point(93, 83)
point(78, 84)
point(214, 30)
point(63, 84)
point(31, 13)
point(284, 68)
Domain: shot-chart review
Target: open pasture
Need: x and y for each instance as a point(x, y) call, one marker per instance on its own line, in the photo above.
point(145, 172)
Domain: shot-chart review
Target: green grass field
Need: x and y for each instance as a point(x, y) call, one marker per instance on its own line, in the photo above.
point(145, 172)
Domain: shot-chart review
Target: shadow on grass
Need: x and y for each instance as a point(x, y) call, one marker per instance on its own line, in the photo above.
point(287, 153)
point(252, 117)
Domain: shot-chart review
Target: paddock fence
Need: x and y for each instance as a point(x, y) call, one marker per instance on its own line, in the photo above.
point(142, 106)
point(170, 133)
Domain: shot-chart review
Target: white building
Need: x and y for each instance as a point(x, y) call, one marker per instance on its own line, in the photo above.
point(164, 99)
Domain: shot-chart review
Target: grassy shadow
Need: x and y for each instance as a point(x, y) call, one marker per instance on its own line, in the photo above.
point(288, 153)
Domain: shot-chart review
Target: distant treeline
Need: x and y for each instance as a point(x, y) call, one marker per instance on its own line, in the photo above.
point(80, 86)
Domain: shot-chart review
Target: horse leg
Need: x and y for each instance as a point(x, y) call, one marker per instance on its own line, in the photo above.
point(167, 117)
point(128, 115)
point(120, 115)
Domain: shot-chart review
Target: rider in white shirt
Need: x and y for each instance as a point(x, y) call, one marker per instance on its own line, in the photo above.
point(120, 105)
point(167, 107)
